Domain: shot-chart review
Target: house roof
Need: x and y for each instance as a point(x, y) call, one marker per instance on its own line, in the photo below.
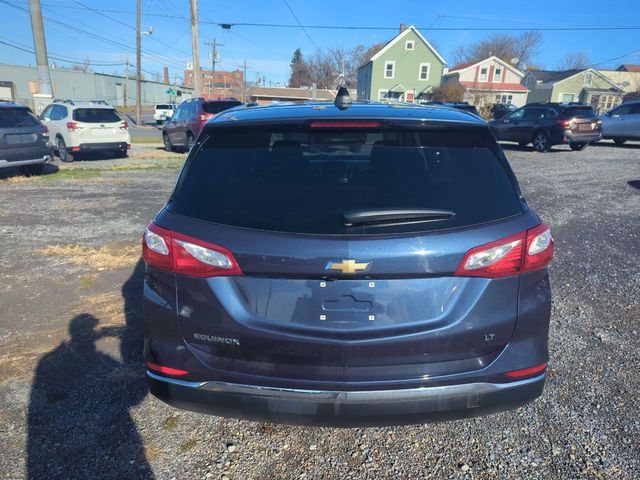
point(399, 37)
point(466, 66)
point(552, 76)
point(629, 67)
point(292, 93)
point(460, 66)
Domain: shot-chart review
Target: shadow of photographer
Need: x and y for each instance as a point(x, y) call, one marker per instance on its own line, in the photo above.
point(79, 425)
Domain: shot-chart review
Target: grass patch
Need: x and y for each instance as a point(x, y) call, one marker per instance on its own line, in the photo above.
point(157, 141)
point(155, 154)
point(108, 257)
point(170, 423)
point(87, 281)
point(188, 445)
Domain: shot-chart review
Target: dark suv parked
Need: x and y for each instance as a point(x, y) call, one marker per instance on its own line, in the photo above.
point(182, 129)
point(362, 265)
point(24, 140)
point(547, 124)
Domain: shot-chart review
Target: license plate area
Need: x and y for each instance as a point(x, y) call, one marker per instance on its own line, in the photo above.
point(585, 127)
point(21, 138)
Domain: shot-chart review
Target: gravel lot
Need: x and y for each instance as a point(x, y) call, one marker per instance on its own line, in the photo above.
point(73, 402)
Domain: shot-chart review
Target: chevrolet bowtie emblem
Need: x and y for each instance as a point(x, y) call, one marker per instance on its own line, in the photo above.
point(347, 266)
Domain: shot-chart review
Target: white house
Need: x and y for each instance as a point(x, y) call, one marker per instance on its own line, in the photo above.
point(489, 81)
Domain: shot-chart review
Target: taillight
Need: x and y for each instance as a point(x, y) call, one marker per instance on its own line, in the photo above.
point(124, 125)
point(523, 252)
point(73, 126)
point(45, 131)
point(178, 253)
point(526, 372)
point(564, 123)
point(166, 370)
point(205, 116)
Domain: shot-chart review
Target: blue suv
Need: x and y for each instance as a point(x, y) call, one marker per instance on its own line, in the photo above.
point(348, 264)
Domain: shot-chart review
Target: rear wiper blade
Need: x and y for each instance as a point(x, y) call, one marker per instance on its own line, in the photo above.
point(394, 215)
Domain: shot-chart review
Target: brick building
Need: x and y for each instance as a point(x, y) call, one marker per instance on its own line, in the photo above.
point(218, 84)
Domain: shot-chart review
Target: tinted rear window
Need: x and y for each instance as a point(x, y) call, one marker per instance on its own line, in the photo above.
point(578, 112)
point(217, 107)
point(96, 115)
point(302, 180)
point(16, 117)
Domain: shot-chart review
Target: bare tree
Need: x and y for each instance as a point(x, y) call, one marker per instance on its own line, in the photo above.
point(523, 47)
point(573, 61)
point(448, 92)
point(84, 66)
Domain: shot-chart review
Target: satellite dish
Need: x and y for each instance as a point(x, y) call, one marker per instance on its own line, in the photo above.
point(515, 61)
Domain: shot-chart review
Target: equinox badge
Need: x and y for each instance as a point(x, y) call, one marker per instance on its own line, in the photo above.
point(347, 266)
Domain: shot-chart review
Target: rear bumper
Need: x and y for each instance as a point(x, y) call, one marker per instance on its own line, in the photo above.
point(98, 147)
point(346, 408)
point(26, 161)
point(590, 137)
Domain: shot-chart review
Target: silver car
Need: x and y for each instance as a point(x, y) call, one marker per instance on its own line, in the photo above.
point(622, 123)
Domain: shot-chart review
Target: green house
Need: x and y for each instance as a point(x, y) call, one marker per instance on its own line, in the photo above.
point(406, 69)
point(580, 85)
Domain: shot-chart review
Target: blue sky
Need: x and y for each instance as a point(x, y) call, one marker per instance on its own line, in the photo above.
point(268, 50)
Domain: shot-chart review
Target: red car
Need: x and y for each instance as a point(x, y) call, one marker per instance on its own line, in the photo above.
point(182, 129)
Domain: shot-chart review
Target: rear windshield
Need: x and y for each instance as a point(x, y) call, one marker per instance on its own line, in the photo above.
point(164, 106)
point(16, 117)
point(217, 107)
point(579, 112)
point(96, 115)
point(300, 180)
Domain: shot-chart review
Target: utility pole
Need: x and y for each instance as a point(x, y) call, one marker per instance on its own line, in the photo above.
point(244, 82)
point(214, 60)
point(45, 87)
point(138, 66)
point(126, 82)
point(197, 75)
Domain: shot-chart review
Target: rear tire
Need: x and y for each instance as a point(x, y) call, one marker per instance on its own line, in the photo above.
point(619, 141)
point(64, 155)
point(576, 147)
point(32, 170)
point(167, 143)
point(191, 140)
point(541, 142)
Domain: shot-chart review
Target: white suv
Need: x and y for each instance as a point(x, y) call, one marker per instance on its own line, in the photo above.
point(77, 127)
point(163, 111)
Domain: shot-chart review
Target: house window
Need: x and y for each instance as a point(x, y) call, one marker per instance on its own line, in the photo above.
point(567, 97)
point(483, 74)
point(382, 95)
point(497, 74)
point(498, 98)
point(389, 69)
point(423, 73)
point(409, 44)
point(588, 79)
point(509, 99)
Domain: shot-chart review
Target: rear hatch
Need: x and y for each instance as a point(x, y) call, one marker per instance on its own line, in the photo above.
point(99, 125)
point(20, 133)
point(581, 119)
point(347, 238)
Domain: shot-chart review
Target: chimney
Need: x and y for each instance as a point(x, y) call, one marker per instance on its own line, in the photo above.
point(166, 75)
point(403, 27)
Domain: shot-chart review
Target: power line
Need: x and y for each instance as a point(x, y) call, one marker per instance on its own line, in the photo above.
point(228, 25)
point(300, 25)
point(19, 46)
point(157, 57)
point(615, 58)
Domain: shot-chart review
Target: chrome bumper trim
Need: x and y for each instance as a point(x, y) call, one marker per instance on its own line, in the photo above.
point(31, 161)
point(337, 396)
